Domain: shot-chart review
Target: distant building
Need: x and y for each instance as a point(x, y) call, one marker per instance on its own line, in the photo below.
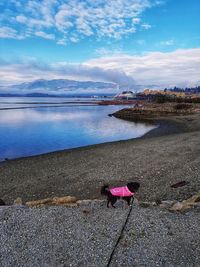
point(141, 96)
point(125, 95)
point(164, 92)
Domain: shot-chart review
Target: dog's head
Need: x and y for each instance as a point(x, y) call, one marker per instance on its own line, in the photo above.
point(133, 186)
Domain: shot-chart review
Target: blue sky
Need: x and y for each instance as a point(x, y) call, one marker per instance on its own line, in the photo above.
point(153, 42)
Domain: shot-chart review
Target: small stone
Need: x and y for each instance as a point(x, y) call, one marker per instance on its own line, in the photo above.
point(170, 233)
point(158, 201)
point(2, 203)
point(166, 204)
point(144, 204)
point(86, 211)
point(177, 207)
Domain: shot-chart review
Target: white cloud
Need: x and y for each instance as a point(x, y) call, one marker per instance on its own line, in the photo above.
point(74, 39)
point(108, 52)
point(21, 19)
point(45, 35)
point(102, 18)
point(136, 20)
point(166, 43)
point(62, 42)
point(10, 33)
point(146, 26)
point(180, 67)
point(62, 20)
point(21, 72)
point(177, 68)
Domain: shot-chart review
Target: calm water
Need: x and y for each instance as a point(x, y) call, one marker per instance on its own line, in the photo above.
point(44, 127)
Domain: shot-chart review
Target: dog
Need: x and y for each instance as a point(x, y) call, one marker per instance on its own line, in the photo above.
point(125, 192)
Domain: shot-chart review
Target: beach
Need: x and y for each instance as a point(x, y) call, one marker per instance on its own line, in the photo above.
point(100, 133)
point(89, 234)
point(166, 155)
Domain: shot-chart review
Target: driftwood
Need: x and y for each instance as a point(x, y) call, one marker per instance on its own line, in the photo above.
point(56, 201)
point(70, 201)
point(187, 204)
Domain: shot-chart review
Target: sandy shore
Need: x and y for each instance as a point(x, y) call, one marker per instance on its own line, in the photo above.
point(164, 156)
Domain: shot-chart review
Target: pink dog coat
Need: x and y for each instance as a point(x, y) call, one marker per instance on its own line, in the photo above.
point(121, 191)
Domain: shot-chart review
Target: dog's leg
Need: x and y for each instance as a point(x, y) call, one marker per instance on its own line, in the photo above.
point(108, 201)
point(113, 200)
point(128, 200)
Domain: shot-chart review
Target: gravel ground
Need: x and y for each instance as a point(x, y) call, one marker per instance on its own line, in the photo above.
point(85, 236)
point(58, 236)
point(155, 237)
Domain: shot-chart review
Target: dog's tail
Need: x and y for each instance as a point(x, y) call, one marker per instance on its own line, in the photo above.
point(104, 190)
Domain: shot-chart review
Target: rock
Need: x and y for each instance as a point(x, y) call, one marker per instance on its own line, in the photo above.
point(145, 204)
point(86, 211)
point(86, 202)
point(2, 203)
point(166, 204)
point(176, 207)
point(18, 201)
point(158, 201)
point(70, 205)
point(136, 201)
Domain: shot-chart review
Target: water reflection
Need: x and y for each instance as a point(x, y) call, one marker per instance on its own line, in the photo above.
point(28, 132)
point(22, 116)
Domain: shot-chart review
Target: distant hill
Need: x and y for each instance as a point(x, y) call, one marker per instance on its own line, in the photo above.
point(57, 87)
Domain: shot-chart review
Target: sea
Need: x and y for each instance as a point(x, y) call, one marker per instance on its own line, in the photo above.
point(32, 126)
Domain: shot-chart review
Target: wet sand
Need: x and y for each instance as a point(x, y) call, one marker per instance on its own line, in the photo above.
point(164, 156)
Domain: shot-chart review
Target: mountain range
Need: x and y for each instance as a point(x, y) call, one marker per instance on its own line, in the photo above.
point(57, 87)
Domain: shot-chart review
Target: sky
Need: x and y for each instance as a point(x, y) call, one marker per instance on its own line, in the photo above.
point(135, 43)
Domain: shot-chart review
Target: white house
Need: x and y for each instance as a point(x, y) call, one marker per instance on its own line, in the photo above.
point(125, 95)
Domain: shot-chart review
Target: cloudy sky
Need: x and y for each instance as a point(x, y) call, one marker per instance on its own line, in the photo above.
point(130, 42)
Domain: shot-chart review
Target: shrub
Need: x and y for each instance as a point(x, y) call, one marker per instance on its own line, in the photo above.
point(182, 106)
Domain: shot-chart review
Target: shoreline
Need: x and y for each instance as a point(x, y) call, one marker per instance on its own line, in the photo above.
point(81, 171)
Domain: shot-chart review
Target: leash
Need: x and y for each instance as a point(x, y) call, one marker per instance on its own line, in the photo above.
point(120, 236)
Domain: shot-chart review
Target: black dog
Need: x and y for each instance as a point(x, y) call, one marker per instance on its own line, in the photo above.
point(126, 192)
